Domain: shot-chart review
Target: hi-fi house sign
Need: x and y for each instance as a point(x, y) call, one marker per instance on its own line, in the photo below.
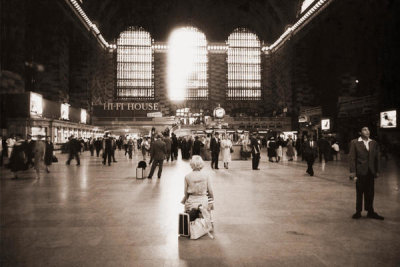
point(131, 106)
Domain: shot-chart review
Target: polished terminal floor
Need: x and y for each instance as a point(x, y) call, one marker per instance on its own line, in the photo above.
point(95, 215)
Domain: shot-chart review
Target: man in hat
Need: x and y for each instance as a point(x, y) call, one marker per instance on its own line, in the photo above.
point(158, 151)
point(364, 168)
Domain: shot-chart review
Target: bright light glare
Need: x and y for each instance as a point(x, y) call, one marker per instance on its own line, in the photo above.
point(183, 54)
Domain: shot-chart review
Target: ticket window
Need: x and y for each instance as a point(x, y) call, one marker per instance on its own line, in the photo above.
point(38, 131)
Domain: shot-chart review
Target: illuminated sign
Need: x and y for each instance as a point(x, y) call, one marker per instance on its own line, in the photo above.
point(65, 111)
point(154, 114)
point(36, 104)
point(83, 115)
point(388, 119)
point(130, 106)
point(303, 118)
point(325, 124)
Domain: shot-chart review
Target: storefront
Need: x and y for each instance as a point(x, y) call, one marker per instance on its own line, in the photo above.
point(30, 114)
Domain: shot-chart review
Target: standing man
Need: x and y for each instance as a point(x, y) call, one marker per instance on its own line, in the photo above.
point(215, 147)
point(310, 152)
point(174, 147)
point(364, 168)
point(107, 149)
point(74, 147)
point(168, 144)
point(158, 152)
point(255, 152)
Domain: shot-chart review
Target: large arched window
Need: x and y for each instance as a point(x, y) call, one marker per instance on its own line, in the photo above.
point(244, 66)
point(187, 65)
point(135, 65)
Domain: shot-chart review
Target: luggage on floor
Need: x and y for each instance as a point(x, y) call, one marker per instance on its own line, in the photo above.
point(140, 173)
point(184, 224)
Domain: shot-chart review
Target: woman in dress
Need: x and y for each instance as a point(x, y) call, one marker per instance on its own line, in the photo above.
point(197, 186)
point(226, 146)
point(18, 157)
point(48, 154)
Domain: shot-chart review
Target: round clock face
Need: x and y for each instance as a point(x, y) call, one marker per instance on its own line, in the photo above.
point(219, 112)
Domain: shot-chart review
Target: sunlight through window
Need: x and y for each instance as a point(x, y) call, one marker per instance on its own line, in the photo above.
point(187, 65)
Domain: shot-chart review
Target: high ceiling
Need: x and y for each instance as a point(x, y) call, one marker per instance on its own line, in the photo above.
point(216, 18)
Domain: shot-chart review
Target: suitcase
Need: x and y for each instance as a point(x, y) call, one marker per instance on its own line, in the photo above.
point(184, 224)
point(140, 173)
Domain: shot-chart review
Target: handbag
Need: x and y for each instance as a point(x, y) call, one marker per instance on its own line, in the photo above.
point(54, 159)
point(198, 228)
point(231, 149)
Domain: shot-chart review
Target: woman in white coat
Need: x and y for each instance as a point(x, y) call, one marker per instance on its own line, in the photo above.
point(226, 145)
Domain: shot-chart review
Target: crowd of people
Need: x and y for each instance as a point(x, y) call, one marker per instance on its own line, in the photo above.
point(364, 167)
point(25, 154)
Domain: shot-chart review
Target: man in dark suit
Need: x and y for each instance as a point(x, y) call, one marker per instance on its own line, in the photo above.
point(310, 152)
point(107, 149)
point(255, 152)
point(168, 144)
point(215, 146)
point(174, 147)
point(364, 168)
point(74, 148)
point(158, 151)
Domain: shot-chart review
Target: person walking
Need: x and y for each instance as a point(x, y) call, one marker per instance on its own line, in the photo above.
point(364, 168)
point(158, 152)
point(255, 152)
point(145, 147)
point(271, 149)
point(226, 145)
point(48, 154)
point(129, 147)
point(39, 151)
point(29, 145)
point(17, 157)
point(279, 148)
point(174, 147)
point(197, 145)
point(91, 146)
point(310, 152)
point(336, 150)
point(168, 144)
point(10, 144)
point(74, 148)
point(215, 146)
point(98, 145)
point(114, 147)
point(289, 148)
point(107, 149)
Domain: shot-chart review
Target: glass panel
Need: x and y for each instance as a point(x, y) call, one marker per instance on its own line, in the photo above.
point(135, 65)
point(244, 66)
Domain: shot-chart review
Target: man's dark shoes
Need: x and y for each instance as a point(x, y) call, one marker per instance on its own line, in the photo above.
point(374, 215)
point(356, 215)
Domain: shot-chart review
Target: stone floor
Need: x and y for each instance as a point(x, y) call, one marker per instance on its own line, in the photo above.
point(95, 215)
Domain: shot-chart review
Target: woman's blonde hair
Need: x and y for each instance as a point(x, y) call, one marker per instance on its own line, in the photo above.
point(196, 163)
